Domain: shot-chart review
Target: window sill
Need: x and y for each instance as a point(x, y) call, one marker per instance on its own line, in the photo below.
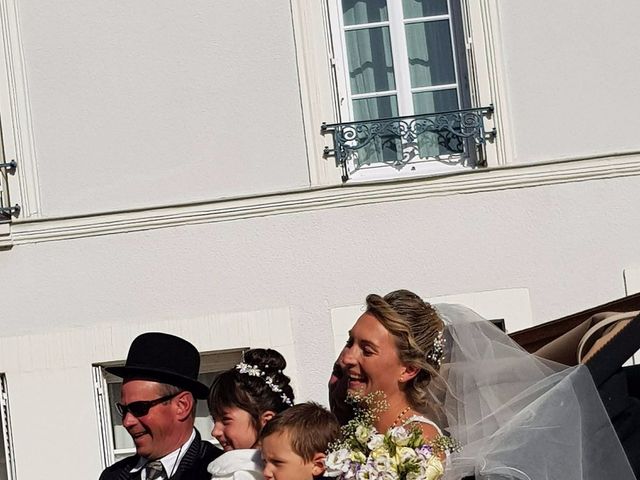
point(429, 169)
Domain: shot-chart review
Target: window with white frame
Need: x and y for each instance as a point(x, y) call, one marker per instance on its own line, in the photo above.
point(7, 463)
point(116, 443)
point(401, 60)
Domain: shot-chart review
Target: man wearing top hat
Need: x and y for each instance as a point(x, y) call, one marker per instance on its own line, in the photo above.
point(159, 393)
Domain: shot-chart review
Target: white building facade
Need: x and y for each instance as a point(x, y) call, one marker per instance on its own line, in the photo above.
point(171, 175)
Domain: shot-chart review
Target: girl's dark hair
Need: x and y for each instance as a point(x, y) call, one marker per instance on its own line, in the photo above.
point(252, 393)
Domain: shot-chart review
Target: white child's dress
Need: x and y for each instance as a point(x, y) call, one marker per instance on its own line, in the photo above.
point(243, 464)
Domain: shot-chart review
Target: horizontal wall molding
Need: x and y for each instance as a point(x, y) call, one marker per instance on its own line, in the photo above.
point(340, 196)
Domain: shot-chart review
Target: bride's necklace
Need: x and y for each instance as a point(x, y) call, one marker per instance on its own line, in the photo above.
point(400, 416)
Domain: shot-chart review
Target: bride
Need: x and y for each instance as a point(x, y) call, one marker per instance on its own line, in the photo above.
point(446, 368)
point(391, 349)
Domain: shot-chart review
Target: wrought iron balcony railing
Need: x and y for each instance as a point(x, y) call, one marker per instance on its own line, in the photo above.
point(451, 137)
point(7, 211)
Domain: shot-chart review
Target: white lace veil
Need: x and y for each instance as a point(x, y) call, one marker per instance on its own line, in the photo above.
point(518, 416)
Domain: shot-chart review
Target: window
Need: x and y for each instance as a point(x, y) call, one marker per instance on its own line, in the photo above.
point(7, 463)
point(116, 442)
point(401, 61)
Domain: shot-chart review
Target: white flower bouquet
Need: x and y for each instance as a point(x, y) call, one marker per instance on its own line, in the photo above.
point(401, 453)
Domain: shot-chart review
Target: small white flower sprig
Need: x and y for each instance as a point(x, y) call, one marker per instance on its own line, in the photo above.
point(401, 453)
point(254, 371)
point(437, 351)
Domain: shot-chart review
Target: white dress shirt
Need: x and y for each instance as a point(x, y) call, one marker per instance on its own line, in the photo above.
point(170, 461)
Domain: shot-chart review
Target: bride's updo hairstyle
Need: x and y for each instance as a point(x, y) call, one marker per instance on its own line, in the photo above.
point(414, 325)
point(256, 385)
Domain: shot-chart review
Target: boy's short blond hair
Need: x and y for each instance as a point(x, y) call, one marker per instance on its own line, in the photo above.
point(309, 426)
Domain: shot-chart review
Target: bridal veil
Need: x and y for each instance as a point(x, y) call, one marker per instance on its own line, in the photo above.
point(518, 416)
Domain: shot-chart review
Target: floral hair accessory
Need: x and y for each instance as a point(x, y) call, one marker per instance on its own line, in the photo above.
point(437, 351)
point(254, 371)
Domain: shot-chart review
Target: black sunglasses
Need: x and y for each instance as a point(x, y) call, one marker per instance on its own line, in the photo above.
point(141, 408)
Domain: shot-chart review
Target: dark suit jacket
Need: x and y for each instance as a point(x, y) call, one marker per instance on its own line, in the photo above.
point(193, 465)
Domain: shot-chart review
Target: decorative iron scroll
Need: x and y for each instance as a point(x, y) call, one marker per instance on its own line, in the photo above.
point(396, 141)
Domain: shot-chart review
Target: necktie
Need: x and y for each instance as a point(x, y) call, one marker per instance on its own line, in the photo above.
point(154, 470)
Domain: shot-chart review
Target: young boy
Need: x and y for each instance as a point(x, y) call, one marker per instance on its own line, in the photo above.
point(294, 442)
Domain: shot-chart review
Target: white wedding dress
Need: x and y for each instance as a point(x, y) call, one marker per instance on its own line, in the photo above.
point(422, 419)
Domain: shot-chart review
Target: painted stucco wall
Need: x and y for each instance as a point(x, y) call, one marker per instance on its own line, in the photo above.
point(438, 246)
point(137, 104)
point(566, 244)
point(155, 102)
point(571, 70)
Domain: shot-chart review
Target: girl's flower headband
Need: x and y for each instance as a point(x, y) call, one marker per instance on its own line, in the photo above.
point(254, 371)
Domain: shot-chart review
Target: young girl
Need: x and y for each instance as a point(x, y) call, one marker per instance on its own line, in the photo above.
point(241, 401)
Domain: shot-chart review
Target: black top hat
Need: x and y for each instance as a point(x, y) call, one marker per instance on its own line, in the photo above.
point(163, 358)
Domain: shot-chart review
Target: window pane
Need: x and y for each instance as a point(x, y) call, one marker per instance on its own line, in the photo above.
point(357, 12)
point(385, 148)
point(375, 108)
point(438, 101)
point(424, 8)
point(121, 439)
point(430, 54)
point(370, 61)
point(441, 142)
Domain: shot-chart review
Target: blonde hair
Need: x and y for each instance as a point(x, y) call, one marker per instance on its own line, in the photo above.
point(414, 325)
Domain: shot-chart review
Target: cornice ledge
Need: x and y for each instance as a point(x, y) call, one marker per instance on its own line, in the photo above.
point(6, 241)
point(340, 196)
